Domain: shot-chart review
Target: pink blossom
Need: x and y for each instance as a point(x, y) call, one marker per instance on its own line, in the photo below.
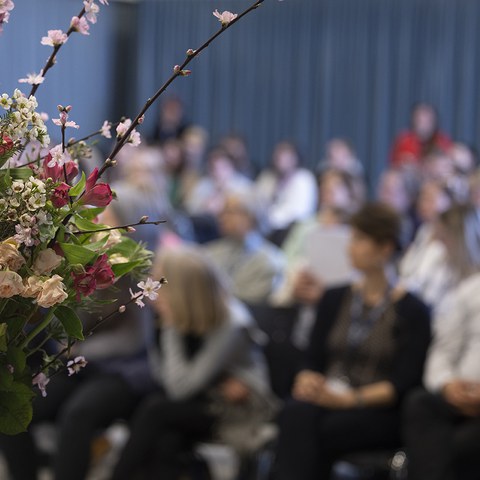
point(105, 130)
point(55, 172)
point(75, 365)
point(6, 5)
point(226, 17)
point(58, 156)
point(33, 79)
point(91, 10)
point(54, 38)
point(96, 194)
point(122, 127)
point(80, 25)
point(63, 121)
point(41, 381)
point(59, 196)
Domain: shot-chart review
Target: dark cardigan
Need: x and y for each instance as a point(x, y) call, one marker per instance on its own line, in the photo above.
point(411, 330)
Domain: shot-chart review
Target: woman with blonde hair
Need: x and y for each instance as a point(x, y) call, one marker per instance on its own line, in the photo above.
point(211, 368)
point(442, 421)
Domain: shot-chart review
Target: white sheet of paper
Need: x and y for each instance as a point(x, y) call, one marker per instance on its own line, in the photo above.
point(326, 254)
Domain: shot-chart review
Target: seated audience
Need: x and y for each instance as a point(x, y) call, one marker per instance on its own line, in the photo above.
point(253, 264)
point(210, 366)
point(288, 190)
point(366, 352)
point(442, 421)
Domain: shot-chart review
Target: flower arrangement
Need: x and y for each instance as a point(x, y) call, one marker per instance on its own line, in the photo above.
point(54, 252)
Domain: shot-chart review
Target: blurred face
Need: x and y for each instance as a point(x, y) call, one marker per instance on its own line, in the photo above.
point(339, 155)
point(432, 200)
point(392, 191)
point(234, 220)
point(366, 254)
point(424, 122)
point(334, 192)
point(220, 168)
point(285, 159)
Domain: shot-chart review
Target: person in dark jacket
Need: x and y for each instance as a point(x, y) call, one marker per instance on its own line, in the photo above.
point(367, 350)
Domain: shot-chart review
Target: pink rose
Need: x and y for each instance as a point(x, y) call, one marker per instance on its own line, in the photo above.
point(10, 257)
point(10, 284)
point(46, 261)
point(53, 292)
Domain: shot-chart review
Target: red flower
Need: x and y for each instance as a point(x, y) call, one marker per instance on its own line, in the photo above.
point(6, 145)
point(56, 172)
point(59, 196)
point(98, 276)
point(96, 194)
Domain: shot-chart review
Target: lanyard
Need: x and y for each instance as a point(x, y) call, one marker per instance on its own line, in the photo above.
point(362, 322)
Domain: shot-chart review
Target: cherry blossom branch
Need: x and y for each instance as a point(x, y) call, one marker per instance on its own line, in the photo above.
point(129, 227)
point(51, 60)
point(178, 71)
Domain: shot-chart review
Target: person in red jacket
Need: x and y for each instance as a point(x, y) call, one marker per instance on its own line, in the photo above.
point(423, 138)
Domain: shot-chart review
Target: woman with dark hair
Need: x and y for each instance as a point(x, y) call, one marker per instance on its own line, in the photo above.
point(442, 421)
point(366, 352)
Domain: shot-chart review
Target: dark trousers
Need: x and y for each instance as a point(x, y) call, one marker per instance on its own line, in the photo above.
point(163, 433)
point(80, 405)
point(441, 444)
point(312, 438)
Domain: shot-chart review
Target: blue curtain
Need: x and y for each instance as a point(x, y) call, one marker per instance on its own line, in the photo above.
point(313, 69)
point(306, 70)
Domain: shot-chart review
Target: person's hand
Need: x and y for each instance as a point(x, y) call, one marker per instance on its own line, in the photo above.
point(307, 288)
point(464, 396)
point(234, 390)
point(308, 386)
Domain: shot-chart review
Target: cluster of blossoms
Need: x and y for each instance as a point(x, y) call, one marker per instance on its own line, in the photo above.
point(5, 7)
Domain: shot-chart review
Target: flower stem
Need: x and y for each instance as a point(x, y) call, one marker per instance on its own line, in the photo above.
point(178, 72)
point(107, 229)
point(39, 328)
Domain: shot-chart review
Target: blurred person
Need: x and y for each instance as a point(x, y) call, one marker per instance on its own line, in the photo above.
point(210, 366)
point(474, 189)
point(366, 352)
point(236, 145)
point(288, 190)
point(207, 198)
point(195, 142)
point(253, 264)
point(442, 421)
point(422, 138)
point(395, 190)
point(423, 267)
point(340, 155)
point(171, 120)
point(438, 165)
point(181, 178)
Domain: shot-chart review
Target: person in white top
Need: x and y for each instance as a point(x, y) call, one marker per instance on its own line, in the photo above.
point(442, 421)
point(288, 190)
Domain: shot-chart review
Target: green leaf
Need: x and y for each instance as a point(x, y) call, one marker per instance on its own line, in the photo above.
point(91, 213)
point(70, 321)
point(3, 337)
point(120, 269)
point(84, 224)
point(15, 408)
point(79, 187)
point(17, 358)
point(21, 173)
point(77, 254)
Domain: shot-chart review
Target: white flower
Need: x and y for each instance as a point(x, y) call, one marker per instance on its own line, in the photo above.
point(105, 130)
point(122, 127)
point(23, 235)
point(149, 288)
point(5, 101)
point(134, 139)
point(41, 381)
point(10, 257)
point(58, 156)
point(33, 79)
point(75, 365)
point(33, 286)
